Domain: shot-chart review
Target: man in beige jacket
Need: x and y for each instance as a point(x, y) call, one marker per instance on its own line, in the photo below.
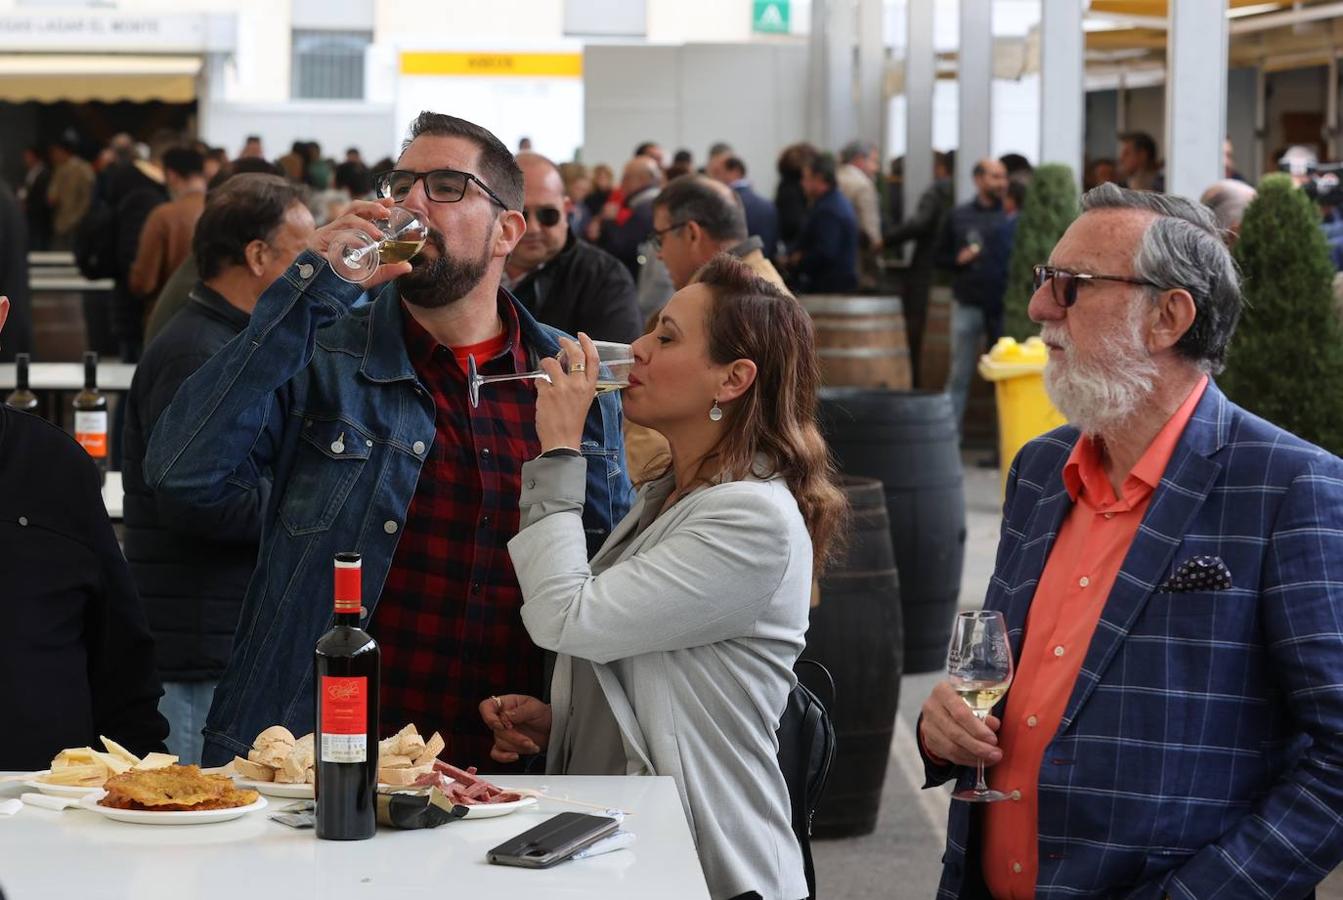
point(694, 219)
point(69, 195)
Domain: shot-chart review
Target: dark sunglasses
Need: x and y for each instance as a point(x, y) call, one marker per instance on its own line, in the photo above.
point(1064, 283)
point(440, 185)
point(547, 216)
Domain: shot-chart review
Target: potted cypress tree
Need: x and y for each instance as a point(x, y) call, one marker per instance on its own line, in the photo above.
point(1050, 207)
point(1286, 359)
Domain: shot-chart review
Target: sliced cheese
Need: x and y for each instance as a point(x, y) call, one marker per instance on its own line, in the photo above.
point(113, 762)
point(117, 750)
point(156, 761)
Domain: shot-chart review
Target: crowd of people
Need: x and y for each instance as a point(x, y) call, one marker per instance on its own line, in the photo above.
point(620, 583)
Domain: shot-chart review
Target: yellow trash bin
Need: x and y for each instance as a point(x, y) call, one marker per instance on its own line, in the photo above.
point(1024, 410)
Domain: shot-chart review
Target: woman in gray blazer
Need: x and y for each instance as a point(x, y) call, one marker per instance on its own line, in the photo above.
point(676, 643)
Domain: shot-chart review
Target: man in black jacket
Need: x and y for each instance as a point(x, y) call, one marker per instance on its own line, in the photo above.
point(14, 276)
point(76, 660)
point(974, 284)
point(192, 564)
point(563, 281)
point(925, 229)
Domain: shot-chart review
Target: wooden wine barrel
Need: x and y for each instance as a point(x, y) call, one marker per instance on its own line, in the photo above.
point(907, 440)
point(58, 326)
point(855, 633)
point(860, 340)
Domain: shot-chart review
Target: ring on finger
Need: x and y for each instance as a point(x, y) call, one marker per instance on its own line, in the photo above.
point(578, 367)
point(498, 704)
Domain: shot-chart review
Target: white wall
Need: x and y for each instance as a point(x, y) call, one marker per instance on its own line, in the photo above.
point(335, 125)
point(751, 95)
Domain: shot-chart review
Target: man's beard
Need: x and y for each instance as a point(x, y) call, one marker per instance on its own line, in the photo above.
point(1107, 389)
point(435, 283)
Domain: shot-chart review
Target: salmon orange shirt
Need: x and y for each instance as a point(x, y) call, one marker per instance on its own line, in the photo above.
point(1081, 570)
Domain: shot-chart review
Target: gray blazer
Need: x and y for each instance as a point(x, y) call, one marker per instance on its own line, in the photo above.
point(679, 638)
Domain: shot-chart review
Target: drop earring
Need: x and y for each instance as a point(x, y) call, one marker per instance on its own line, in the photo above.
point(715, 412)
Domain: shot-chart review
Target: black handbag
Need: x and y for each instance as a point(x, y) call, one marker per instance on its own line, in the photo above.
point(806, 750)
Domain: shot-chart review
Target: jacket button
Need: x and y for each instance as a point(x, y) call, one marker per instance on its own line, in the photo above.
point(418, 447)
point(389, 526)
point(305, 271)
point(23, 520)
point(485, 452)
point(531, 483)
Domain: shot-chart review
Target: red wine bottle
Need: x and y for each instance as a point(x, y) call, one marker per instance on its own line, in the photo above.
point(345, 672)
point(91, 415)
point(22, 396)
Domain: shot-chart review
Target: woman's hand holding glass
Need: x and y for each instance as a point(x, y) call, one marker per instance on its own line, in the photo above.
point(564, 396)
point(521, 725)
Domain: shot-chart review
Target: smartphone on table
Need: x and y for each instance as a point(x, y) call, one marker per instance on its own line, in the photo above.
point(553, 841)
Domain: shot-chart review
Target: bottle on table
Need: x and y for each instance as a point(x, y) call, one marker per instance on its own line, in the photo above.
point(91, 416)
point(22, 397)
point(345, 673)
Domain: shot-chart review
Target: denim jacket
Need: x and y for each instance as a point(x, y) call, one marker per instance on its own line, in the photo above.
point(326, 400)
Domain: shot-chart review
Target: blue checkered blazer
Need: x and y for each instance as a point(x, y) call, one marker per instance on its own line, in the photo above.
point(1201, 751)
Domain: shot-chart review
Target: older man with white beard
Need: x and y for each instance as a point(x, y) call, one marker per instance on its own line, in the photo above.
point(1170, 569)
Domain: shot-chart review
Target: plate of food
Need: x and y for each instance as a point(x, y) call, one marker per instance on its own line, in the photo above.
point(281, 765)
point(463, 787)
point(173, 795)
point(80, 771)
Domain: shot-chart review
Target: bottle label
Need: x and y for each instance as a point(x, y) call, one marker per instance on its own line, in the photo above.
point(91, 432)
point(344, 719)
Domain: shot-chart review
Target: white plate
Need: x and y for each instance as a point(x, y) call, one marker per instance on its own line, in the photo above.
point(276, 788)
point(186, 817)
point(490, 810)
point(288, 791)
point(59, 790)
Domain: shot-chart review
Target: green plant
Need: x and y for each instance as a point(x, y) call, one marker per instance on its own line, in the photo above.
point(1286, 359)
point(1050, 207)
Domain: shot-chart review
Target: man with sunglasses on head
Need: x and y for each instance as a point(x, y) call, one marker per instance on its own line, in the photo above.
point(1171, 573)
point(563, 281)
point(361, 418)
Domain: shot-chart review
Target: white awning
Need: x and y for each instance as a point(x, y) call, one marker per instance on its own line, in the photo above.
point(83, 77)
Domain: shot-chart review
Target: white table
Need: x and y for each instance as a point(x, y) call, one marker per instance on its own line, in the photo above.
point(114, 495)
point(68, 283)
point(77, 853)
point(112, 376)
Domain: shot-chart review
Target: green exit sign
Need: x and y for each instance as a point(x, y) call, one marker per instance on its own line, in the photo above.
point(770, 16)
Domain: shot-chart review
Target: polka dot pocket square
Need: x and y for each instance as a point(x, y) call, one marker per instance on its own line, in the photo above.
point(1198, 573)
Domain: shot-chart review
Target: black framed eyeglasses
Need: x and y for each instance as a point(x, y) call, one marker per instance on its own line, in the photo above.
point(546, 216)
point(440, 185)
point(655, 236)
point(1064, 283)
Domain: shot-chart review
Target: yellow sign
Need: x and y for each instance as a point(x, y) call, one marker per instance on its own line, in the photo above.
point(492, 65)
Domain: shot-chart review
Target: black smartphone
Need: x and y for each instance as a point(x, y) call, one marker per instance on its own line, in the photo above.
point(553, 841)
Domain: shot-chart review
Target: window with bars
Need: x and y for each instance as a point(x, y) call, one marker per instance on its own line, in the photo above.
point(329, 65)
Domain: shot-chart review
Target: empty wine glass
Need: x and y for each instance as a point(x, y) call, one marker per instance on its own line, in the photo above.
point(355, 255)
point(616, 361)
point(979, 663)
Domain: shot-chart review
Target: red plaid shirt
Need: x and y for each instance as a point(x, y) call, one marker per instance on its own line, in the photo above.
point(448, 619)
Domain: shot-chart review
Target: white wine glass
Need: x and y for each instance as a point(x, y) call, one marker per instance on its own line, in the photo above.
point(616, 361)
point(979, 664)
point(355, 255)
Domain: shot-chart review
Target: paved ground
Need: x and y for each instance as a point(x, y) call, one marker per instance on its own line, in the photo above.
point(901, 859)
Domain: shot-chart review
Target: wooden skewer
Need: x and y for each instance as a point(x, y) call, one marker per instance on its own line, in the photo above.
point(533, 792)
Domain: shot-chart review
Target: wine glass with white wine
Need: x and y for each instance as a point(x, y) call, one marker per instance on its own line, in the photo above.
point(616, 361)
point(979, 664)
point(355, 255)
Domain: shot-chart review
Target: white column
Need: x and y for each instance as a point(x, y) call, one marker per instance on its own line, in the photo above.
point(1196, 40)
point(871, 74)
point(1261, 163)
point(975, 78)
point(920, 75)
point(1331, 107)
point(1062, 76)
point(833, 114)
